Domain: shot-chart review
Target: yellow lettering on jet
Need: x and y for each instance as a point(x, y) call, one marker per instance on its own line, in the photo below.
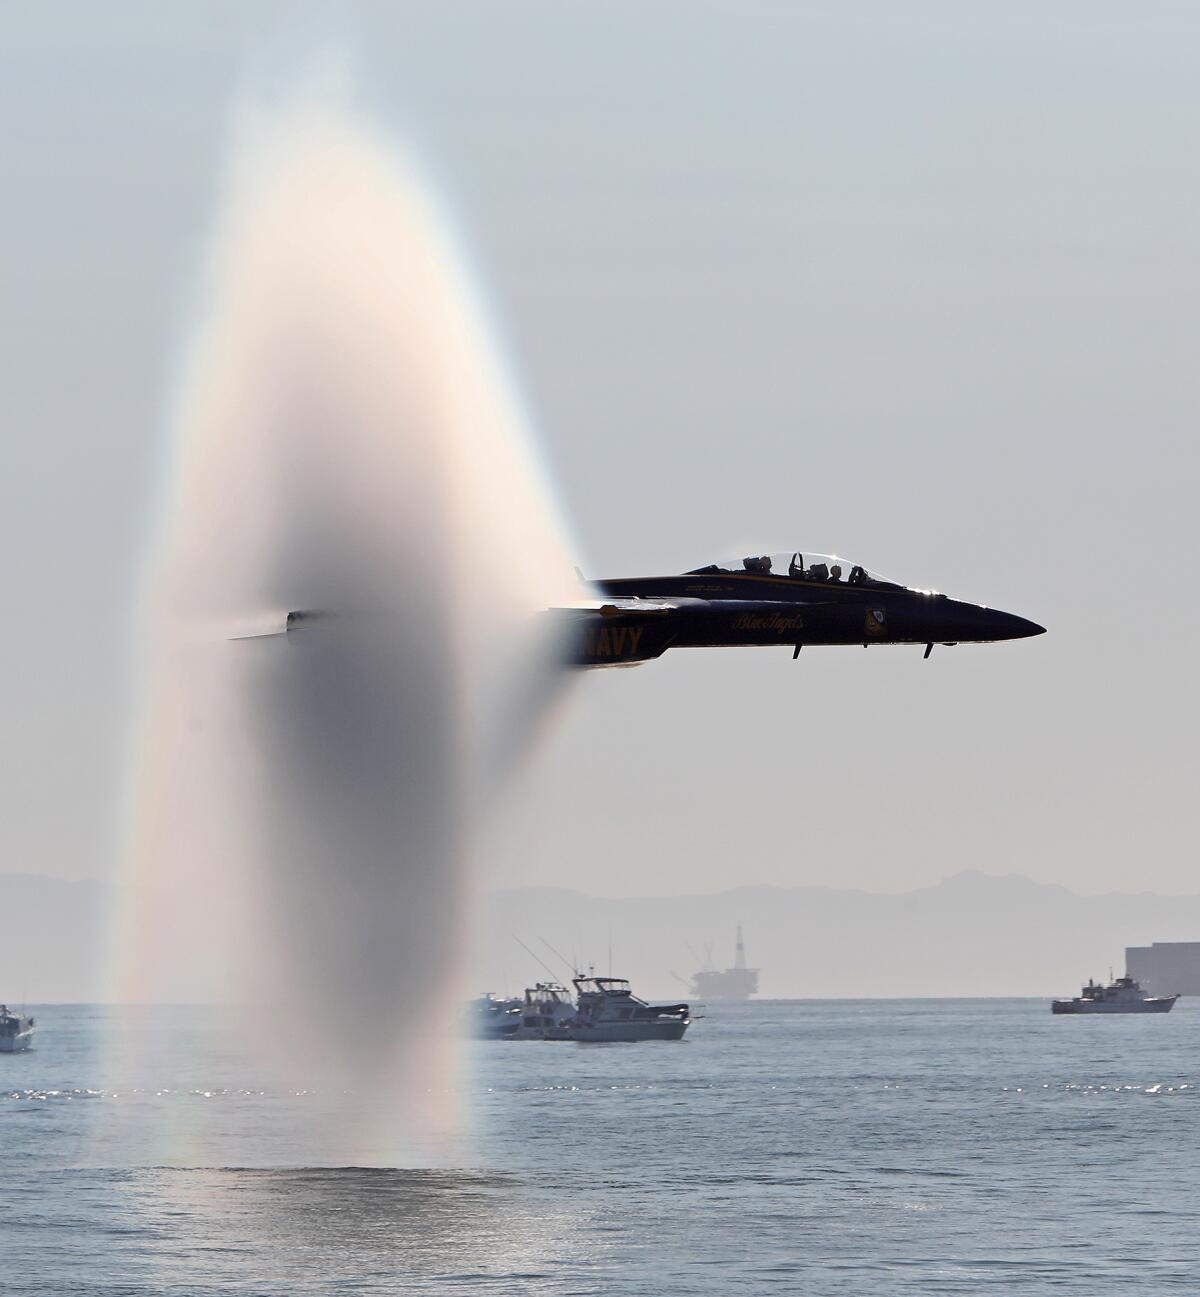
point(613, 641)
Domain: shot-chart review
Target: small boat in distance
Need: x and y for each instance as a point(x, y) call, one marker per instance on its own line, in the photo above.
point(16, 1031)
point(1123, 995)
point(604, 1010)
point(607, 1010)
point(490, 1018)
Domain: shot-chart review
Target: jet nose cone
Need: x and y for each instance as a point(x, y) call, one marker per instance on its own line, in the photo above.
point(1007, 625)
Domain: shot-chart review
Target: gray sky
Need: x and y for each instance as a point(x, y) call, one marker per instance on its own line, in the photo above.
point(913, 283)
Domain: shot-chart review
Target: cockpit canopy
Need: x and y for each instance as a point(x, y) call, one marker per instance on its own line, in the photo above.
point(800, 565)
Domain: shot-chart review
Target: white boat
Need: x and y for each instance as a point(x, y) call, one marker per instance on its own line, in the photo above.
point(1123, 995)
point(607, 1010)
point(491, 1018)
point(16, 1031)
point(546, 1013)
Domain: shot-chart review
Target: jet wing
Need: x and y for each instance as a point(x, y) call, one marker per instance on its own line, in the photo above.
point(613, 631)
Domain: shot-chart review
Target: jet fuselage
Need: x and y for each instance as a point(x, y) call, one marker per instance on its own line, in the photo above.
point(720, 607)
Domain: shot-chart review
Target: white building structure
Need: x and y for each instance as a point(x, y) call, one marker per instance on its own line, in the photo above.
point(1165, 967)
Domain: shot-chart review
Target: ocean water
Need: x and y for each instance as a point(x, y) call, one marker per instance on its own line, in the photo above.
point(809, 1147)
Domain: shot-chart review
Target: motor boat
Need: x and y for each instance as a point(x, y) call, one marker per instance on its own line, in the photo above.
point(607, 1010)
point(1123, 995)
point(16, 1031)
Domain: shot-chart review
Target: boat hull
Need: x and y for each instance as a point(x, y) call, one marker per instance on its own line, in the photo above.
point(16, 1044)
point(628, 1032)
point(1157, 1004)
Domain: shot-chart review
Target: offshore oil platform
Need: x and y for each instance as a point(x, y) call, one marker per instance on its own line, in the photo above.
point(736, 983)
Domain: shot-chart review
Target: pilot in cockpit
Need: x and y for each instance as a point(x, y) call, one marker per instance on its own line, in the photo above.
point(762, 565)
point(835, 572)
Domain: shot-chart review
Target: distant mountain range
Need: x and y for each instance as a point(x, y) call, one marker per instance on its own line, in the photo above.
point(972, 934)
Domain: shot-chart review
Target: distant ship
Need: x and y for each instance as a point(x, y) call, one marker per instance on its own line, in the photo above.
point(491, 1018)
point(16, 1031)
point(736, 983)
point(1121, 996)
point(605, 1010)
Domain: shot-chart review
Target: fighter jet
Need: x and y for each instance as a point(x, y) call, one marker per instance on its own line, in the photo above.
point(788, 600)
point(792, 600)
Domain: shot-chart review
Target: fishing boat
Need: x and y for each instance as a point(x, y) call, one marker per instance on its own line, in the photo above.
point(607, 1010)
point(492, 1018)
point(16, 1031)
point(546, 1013)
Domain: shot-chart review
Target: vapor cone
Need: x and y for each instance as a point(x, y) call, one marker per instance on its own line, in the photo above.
point(344, 444)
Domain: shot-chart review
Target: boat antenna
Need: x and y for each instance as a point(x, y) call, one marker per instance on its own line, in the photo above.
point(531, 953)
point(573, 968)
point(610, 950)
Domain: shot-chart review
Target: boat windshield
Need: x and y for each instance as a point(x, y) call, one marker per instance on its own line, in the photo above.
point(547, 992)
point(803, 565)
point(604, 986)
